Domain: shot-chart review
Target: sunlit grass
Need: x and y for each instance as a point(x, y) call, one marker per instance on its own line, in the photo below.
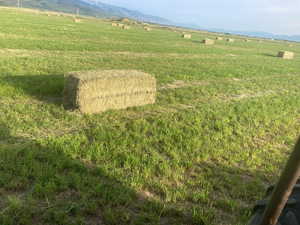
point(225, 120)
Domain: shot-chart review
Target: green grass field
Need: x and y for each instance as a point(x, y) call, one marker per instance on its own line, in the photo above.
point(225, 121)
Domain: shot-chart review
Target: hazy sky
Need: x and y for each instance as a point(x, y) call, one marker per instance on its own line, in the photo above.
point(276, 16)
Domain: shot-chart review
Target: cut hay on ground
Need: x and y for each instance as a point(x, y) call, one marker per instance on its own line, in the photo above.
point(98, 91)
point(286, 55)
point(187, 36)
point(208, 41)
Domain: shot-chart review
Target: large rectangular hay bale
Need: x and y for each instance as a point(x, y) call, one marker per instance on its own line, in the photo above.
point(187, 36)
point(286, 55)
point(208, 41)
point(98, 91)
point(125, 27)
point(76, 20)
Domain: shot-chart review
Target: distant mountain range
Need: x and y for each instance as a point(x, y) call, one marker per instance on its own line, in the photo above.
point(86, 7)
point(261, 34)
point(102, 10)
point(115, 11)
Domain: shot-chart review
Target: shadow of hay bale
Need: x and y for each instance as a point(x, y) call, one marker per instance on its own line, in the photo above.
point(269, 55)
point(4, 131)
point(196, 41)
point(47, 180)
point(47, 88)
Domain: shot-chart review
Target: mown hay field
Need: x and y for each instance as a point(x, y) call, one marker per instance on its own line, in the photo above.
point(223, 125)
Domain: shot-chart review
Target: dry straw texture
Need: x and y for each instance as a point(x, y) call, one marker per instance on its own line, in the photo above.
point(125, 27)
point(187, 36)
point(208, 42)
point(125, 20)
point(286, 55)
point(76, 20)
point(98, 91)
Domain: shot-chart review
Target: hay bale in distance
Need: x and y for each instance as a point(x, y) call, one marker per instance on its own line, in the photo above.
point(76, 20)
point(147, 28)
point(114, 25)
point(230, 40)
point(125, 27)
point(286, 55)
point(125, 20)
point(120, 25)
point(208, 41)
point(219, 38)
point(98, 91)
point(187, 36)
